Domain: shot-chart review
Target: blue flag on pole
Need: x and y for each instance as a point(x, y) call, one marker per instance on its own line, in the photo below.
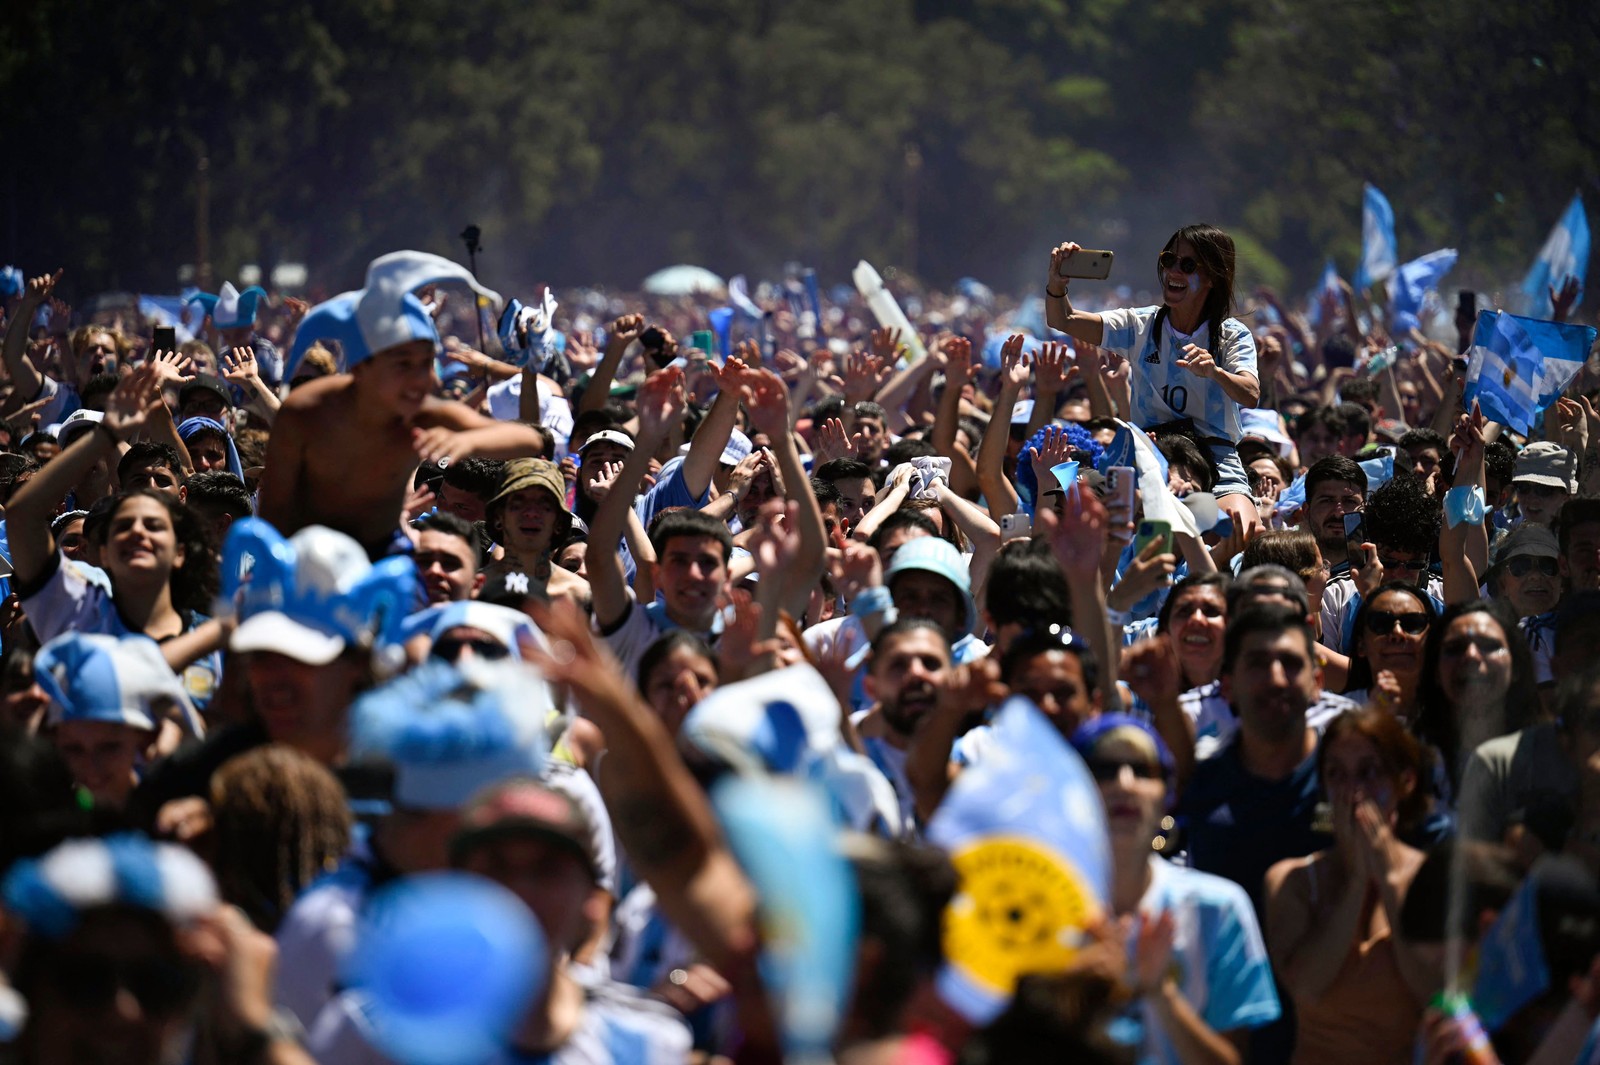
point(1328, 286)
point(1411, 283)
point(1379, 252)
point(1565, 254)
point(1518, 366)
point(1026, 831)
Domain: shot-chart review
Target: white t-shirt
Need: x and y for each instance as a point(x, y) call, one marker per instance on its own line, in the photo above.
point(555, 413)
point(1163, 391)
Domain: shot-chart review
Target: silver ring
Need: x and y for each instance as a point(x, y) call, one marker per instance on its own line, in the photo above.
point(444, 462)
point(678, 977)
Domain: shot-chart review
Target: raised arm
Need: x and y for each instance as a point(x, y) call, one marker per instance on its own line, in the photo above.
point(1077, 538)
point(1058, 309)
point(661, 403)
point(239, 366)
point(768, 400)
point(992, 481)
point(29, 512)
point(25, 377)
point(170, 369)
point(661, 815)
point(705, 450)
point(1464, 549)
point(619, 334)
point(455, 431)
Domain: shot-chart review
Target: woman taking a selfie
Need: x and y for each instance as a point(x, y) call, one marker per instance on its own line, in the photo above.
point(1191, 367)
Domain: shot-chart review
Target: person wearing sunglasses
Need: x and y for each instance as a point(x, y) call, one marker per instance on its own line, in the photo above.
point(1403, 523)
point(1190, 362)
point(1197, 961)
point(1391, 632)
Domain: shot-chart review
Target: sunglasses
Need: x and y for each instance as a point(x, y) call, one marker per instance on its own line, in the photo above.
point(1168, 259)
point(1107, 770)
point(449, 648)
point(1414, 566)
point(1522, 565)
point(90, 982)
point(1382, 622)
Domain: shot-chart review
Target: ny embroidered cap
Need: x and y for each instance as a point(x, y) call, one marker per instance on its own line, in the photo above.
point(450, 730)
point(52, 892)
point(119, 680)
point(1548, 464)
point(446, 965)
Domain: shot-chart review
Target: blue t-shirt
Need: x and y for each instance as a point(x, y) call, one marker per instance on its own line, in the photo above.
point(1237, 825)
point(1220, 958)
point(1163, 391)
point(669, 491)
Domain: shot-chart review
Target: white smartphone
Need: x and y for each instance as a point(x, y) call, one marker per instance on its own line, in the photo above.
point(1088, 264)
point(1120, 484)
point(1015, 527)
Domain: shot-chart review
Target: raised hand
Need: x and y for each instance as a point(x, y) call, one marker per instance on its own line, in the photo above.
point(239, 365)
point(766, 397)
point(60, 316)
point(1051, 368)
point(1056, 450)
point(624, 330)
point(1077, 536)
point(297, 309)
point(600, 484)
point(957, 361)
point(39, 288)
point(856, 567)
point(1151, 669)
point(580, 353)
point(835, 442)
point(1572, 425)
point(661, 403)
point(731, 375)
point(776, 543)
point(1013, 364)
point(418, 501)
point(171, 368)
point(1561, 300)
point(864, 375)
point(819, 368)
point(1151, 570)
point(1059, 255)
point(130, 404)
point(886, 345)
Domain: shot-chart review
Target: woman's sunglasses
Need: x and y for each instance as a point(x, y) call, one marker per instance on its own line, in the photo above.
point(1107, 770)
point(1382, 623)
point(1168, 259)
point(1522, 565)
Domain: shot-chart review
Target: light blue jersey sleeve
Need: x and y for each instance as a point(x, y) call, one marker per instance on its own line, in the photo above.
point(1240, 993)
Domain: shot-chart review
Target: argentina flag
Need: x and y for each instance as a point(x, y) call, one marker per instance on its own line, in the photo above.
point(1518, 366)
point(1379, 252)
point(1412, 282)
point(1565, 254)
point(1026, 831)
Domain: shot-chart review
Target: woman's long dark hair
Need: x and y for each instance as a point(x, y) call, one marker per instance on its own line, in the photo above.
point(1214, 251)
point(1361, 677)
point(194, 584)
point(1437, 722)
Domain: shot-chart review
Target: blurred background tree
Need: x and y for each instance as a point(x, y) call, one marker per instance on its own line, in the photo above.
point(599, 140)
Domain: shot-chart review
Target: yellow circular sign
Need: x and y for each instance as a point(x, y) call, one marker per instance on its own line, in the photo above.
point(1019, 909)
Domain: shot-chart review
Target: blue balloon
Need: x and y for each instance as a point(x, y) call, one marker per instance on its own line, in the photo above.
point(447, 964)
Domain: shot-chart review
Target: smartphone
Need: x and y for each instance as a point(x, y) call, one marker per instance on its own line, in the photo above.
point(1120, 484)
point(705, 340)
point(164, 338)
point(1015, 527)
point(1094, 265)
point(654, 342)
point(1355, 528)
point(1466, 302)
point(1153, 531)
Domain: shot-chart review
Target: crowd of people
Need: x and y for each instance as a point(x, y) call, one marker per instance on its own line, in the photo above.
point(423, 677)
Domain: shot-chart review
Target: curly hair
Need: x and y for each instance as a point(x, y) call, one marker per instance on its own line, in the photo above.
point(195, 583)
point(1403, 516)
point(281, 822)
point(1077, 436)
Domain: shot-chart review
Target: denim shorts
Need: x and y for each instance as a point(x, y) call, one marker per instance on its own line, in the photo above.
point(1231, 479)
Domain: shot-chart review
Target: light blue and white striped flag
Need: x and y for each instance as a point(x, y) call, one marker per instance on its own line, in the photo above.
point(1565, 254)
point(1328, 286)
point(1518, 366)
point(1379, 252)
point(1411, 282)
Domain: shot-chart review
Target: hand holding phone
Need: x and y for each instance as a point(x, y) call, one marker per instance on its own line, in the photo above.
point(1087, 263)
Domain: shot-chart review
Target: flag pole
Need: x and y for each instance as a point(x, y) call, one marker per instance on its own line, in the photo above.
point(470, 235)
